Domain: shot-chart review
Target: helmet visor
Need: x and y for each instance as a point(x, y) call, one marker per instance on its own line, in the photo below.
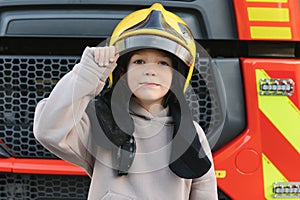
point(137, 42)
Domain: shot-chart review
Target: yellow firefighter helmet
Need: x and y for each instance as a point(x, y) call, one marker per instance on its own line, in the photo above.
point(157, 28)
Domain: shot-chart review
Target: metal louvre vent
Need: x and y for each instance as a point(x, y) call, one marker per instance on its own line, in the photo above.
point(203, 101)
point(24, 81)
point(43, 187)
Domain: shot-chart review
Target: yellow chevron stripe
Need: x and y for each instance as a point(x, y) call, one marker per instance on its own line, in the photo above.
point(269, 32)
point(271, 175)
point(268, 14)
point(282, 112)
point(268, 1)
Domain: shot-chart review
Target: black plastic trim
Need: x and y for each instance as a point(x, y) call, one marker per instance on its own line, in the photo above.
point(87, 18)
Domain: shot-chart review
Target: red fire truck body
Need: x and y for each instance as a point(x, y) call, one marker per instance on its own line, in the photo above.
point(265, 159)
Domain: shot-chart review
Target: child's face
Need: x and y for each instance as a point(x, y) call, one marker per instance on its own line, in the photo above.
point(149, 76)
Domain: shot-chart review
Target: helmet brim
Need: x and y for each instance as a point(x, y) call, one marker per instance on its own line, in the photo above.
point(137, 42)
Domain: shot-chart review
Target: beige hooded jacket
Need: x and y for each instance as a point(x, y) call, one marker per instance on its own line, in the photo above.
point(63, 124)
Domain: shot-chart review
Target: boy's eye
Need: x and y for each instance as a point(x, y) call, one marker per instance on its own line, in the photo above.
point(139, 61)
point(164, 63)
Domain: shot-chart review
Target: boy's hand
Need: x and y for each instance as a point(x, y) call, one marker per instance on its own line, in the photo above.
point(106, 56)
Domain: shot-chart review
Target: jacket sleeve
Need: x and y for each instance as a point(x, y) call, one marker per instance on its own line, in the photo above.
point(61, 118)
point(204, 187)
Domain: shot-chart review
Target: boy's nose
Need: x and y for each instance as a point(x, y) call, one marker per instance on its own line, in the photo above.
point(150, 74)
point(150, 71)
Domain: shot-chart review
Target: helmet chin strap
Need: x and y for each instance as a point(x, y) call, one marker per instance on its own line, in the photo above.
point(122, 142)
point(188, 158)
point(193, 162)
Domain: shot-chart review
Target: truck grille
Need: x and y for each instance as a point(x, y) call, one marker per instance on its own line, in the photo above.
point(204, 101)
point(25, 80)
point(43, 187)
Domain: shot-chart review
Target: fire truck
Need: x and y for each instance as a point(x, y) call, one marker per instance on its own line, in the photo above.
point(250, 95)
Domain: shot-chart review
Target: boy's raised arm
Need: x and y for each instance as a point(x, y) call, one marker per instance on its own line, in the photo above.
point(61, 117)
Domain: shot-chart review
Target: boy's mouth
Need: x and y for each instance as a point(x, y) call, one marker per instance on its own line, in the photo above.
point(149, 84)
